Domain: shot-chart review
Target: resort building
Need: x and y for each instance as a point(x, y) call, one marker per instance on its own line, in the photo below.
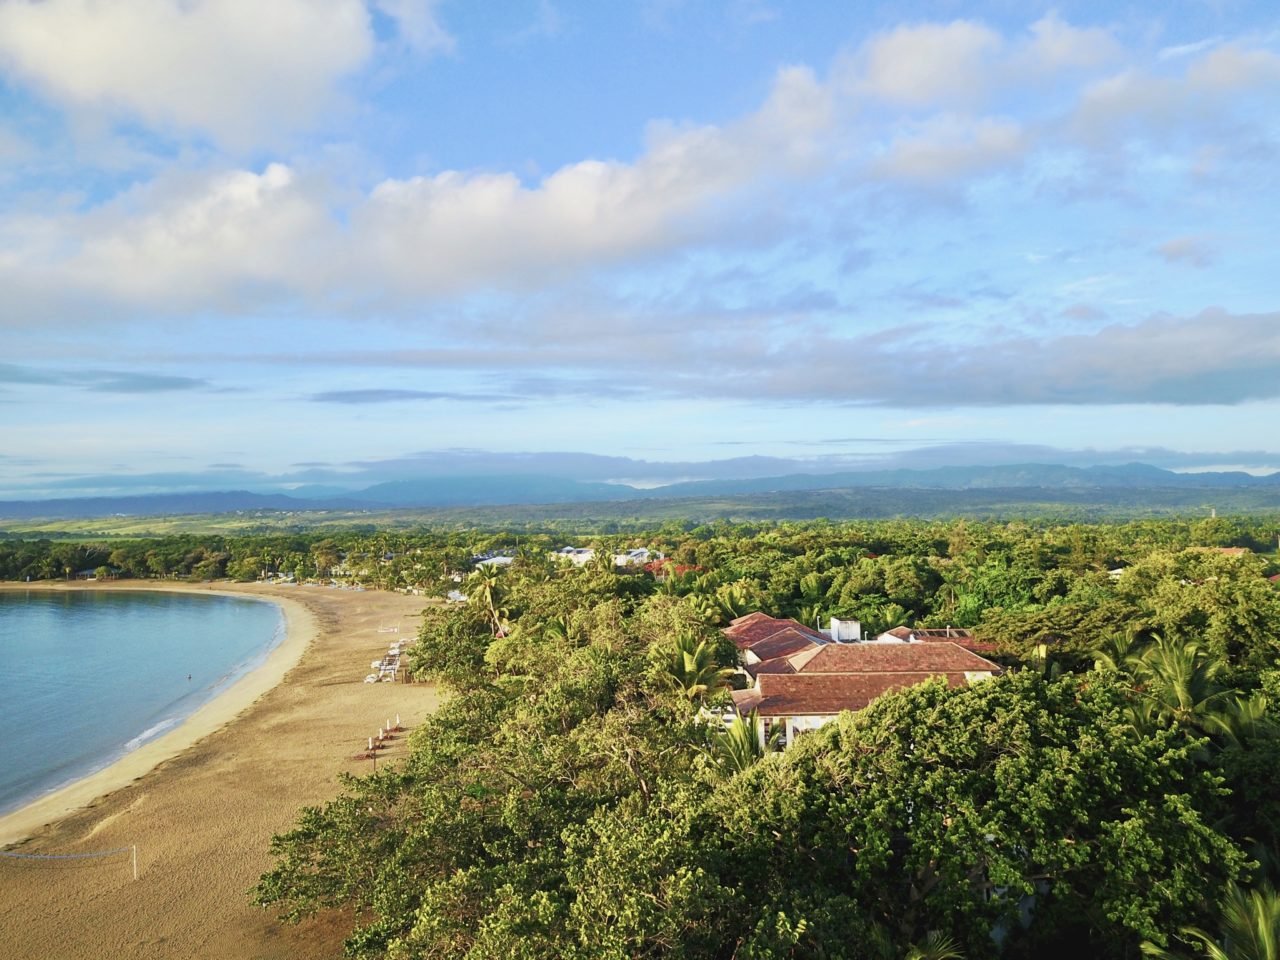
point(635, 558)
point(575, 555)
point(802, 679)
point(957, 635)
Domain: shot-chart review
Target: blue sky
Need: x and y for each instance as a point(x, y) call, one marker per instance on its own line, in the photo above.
point(247, 244)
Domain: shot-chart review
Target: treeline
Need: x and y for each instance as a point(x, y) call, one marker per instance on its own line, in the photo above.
point(1022, 585)
point(387, 561)
point(1117, 790)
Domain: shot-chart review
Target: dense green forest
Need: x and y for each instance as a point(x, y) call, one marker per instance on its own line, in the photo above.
point(1116, 791)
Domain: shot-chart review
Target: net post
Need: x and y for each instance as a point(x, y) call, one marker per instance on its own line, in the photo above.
point(135, 861)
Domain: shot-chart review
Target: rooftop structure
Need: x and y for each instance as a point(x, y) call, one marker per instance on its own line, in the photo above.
point(957, 635)
point(576, 555)
point(801, 679)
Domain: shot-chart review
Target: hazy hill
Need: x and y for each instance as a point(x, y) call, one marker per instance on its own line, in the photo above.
point(1134, 487)
point(476, 491)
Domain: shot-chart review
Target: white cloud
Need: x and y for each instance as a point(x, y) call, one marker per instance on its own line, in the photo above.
point(1187, 49)
point(1134, 104)
point(234, 241)
point(950, 147)
point(238, 71)
point(1233, 68)
point(927, 64)
point(1057, 45)
point(1214, 357)
point(243, 240)
point(249, 240)
point(419, 24)
point(1204, 97)
point(963, 63)
point(455, 229)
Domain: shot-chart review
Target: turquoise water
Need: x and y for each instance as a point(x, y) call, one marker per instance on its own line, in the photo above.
point(87, 676)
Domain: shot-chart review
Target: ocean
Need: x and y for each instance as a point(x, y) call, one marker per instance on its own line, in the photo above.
point(87, 676)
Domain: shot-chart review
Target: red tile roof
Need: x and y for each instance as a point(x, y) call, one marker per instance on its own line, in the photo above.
point(956, 635)
point(751, 629)
point(776, 665)
point(782, 695)
point(825, 679)
point(783, 643)
point(862, 658)
point(744, 701)
point(969, 643)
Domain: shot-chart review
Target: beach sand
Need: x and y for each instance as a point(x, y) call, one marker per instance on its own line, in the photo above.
point(202, 802)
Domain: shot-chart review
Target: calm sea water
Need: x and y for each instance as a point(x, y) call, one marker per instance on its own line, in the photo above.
point(86, 677)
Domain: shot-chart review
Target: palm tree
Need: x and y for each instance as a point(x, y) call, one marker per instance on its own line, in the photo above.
point(733, 601)
point(1177, 684)
point(564, 629)
point(1121, 651)
point(935, 946)
point(738, 746)
point(674, 584)
point(487, 588)
point(692, 669)
point(1249, 925)
point(950, 597)
point(1248, 715)
point(707, 609)
point(810, 614)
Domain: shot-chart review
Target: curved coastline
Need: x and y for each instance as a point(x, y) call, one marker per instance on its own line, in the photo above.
point(299, 631)
point(202, 818)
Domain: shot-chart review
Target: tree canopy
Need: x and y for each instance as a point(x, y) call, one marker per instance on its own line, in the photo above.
point(577, 797)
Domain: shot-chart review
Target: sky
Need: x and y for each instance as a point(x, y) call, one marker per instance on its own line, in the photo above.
point(254, 245)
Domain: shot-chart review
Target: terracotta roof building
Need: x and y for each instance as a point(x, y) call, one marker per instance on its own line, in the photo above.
point(802, 680)
point(956, 635)
point(802, 696)
point(753, 628)
point(926, 658)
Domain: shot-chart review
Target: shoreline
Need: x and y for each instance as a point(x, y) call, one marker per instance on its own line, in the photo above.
point(17, 825)
point(201, 803)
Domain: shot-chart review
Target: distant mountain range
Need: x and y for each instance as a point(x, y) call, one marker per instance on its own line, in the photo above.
point(1073, 483)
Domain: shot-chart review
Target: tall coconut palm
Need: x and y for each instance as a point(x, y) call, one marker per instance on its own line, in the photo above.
point(949, 597)
point(486, 582)
point(692, 669)
point(1249, 926)
point(1177, 684)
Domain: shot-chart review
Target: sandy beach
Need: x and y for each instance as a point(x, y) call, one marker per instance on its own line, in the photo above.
point(202, 802)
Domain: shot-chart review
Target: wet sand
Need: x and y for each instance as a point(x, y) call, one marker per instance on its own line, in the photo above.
point(202, 802)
